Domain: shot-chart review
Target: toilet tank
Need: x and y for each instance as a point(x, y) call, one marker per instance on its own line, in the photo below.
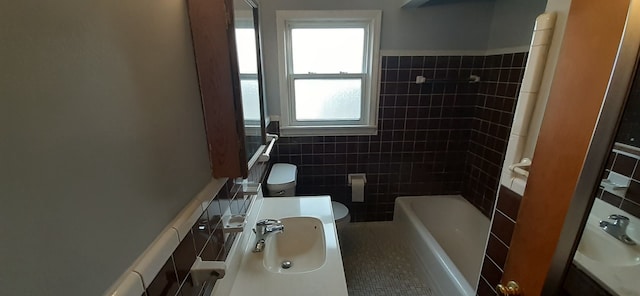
point(282, 180)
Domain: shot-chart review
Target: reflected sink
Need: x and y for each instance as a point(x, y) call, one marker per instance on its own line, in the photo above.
point(601, 247)
point(301, 244)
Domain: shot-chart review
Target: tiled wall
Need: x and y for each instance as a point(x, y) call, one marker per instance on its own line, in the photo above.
point(502, 226)
point(205, 239)
point(446, 136)
point(629, 129)
point(578, 283)
point(624, 161)
point(420, 148)
point(496, 101)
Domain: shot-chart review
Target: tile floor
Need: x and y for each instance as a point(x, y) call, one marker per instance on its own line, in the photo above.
point(378, 262)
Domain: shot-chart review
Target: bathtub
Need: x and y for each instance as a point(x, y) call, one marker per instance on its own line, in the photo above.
point(449, 235)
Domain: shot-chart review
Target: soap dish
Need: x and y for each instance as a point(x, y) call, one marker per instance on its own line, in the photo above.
point(234, 223)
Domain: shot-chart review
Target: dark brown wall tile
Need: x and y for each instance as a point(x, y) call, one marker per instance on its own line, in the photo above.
point(577, 283)
point(484, 289)
point(190, 288)
point(434, 138)
point(491, 272)
point(502, 227)
point(624, 165)
point(509, 202)
point(205, 240)
point(166, 282)
point(631, 208)
point(497, 251)
point(614, 200)
point(633, 192)
point(184, 256)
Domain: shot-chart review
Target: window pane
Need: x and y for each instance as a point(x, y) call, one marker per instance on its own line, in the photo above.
point(327, 50)
point(247, 54)
point(324, 99)
point(250, 99)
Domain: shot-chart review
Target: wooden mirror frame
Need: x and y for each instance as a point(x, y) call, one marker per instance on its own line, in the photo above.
point(214, 47)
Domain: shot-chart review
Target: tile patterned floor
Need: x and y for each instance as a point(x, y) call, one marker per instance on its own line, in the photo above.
point(378, 262)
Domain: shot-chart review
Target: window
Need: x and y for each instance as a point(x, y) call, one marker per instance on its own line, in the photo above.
point(245, 36)
point(328, 72)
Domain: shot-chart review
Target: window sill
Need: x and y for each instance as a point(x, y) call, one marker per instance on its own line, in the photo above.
point(301, 131)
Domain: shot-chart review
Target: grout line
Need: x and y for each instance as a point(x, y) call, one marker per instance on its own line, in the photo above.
point(503, 214)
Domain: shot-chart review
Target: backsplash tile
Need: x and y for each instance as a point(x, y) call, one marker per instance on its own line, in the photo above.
point(624, 160)
point(166, 282)
point(205, 239)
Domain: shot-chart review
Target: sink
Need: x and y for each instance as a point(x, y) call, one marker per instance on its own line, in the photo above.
point(300, 248)
point(601, 247)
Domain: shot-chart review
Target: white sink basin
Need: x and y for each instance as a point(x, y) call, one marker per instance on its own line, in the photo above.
point(602, 247)
point(301, 247)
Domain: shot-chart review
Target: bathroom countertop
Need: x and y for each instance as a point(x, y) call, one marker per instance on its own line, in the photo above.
point(252, 277)
point(617, 279)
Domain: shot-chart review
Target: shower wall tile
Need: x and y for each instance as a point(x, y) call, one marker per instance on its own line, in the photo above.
point(446, 136)
point(421, 145)
point(493, 116)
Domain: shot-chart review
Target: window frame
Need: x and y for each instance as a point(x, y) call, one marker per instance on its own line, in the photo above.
point(370, 21)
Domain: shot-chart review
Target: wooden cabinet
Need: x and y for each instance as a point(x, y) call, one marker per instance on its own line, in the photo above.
point(217, 66)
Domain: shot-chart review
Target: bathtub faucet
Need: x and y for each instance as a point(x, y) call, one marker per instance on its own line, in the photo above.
point(263, 229)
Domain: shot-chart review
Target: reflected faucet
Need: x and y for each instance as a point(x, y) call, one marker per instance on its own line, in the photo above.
point(618, 228)
point(263, 229)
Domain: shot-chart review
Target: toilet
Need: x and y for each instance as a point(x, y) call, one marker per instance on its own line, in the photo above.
point(282, 183)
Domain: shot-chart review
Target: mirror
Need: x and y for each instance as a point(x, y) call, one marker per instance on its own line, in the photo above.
point(250, 66)
point(607, 260)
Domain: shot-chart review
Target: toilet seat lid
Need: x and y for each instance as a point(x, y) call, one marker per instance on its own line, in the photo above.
point(282, 173)
point(339, 210)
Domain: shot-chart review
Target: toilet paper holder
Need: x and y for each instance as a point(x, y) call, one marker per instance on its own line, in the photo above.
point(350, 177)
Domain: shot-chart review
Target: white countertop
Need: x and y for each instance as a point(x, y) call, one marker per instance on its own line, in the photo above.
point(619, 280)
point(253, 278)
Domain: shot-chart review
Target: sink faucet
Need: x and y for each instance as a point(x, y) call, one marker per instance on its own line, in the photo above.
point(618, 228)
point(263, 229)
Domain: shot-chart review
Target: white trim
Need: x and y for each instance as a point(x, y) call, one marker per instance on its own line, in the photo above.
point(617, 146)
point(400, 52)
point(256, 156)
point(360, 130)
point(150, 261)
point(505, 50)
point(371, 19)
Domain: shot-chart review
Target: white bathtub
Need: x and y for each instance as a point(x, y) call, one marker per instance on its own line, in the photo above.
point(449, 235)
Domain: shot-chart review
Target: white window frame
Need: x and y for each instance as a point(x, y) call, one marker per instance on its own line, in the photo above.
point(370, 20)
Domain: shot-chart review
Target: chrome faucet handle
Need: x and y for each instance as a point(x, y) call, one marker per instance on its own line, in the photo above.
point(262, 226)
point(265, 222)
point(618, 217)
point(619, 220)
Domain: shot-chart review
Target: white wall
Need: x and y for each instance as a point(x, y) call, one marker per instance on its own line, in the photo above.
point(101, 138)
point(513, 21)
point(462, 26)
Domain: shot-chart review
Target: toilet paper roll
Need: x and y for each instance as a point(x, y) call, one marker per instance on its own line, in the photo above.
point(357, 190)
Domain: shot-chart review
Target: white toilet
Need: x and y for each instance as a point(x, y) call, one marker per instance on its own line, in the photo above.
point(282, 182)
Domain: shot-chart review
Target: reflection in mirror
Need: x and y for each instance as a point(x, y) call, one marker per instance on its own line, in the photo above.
point(607, 261)
point(248, 64)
